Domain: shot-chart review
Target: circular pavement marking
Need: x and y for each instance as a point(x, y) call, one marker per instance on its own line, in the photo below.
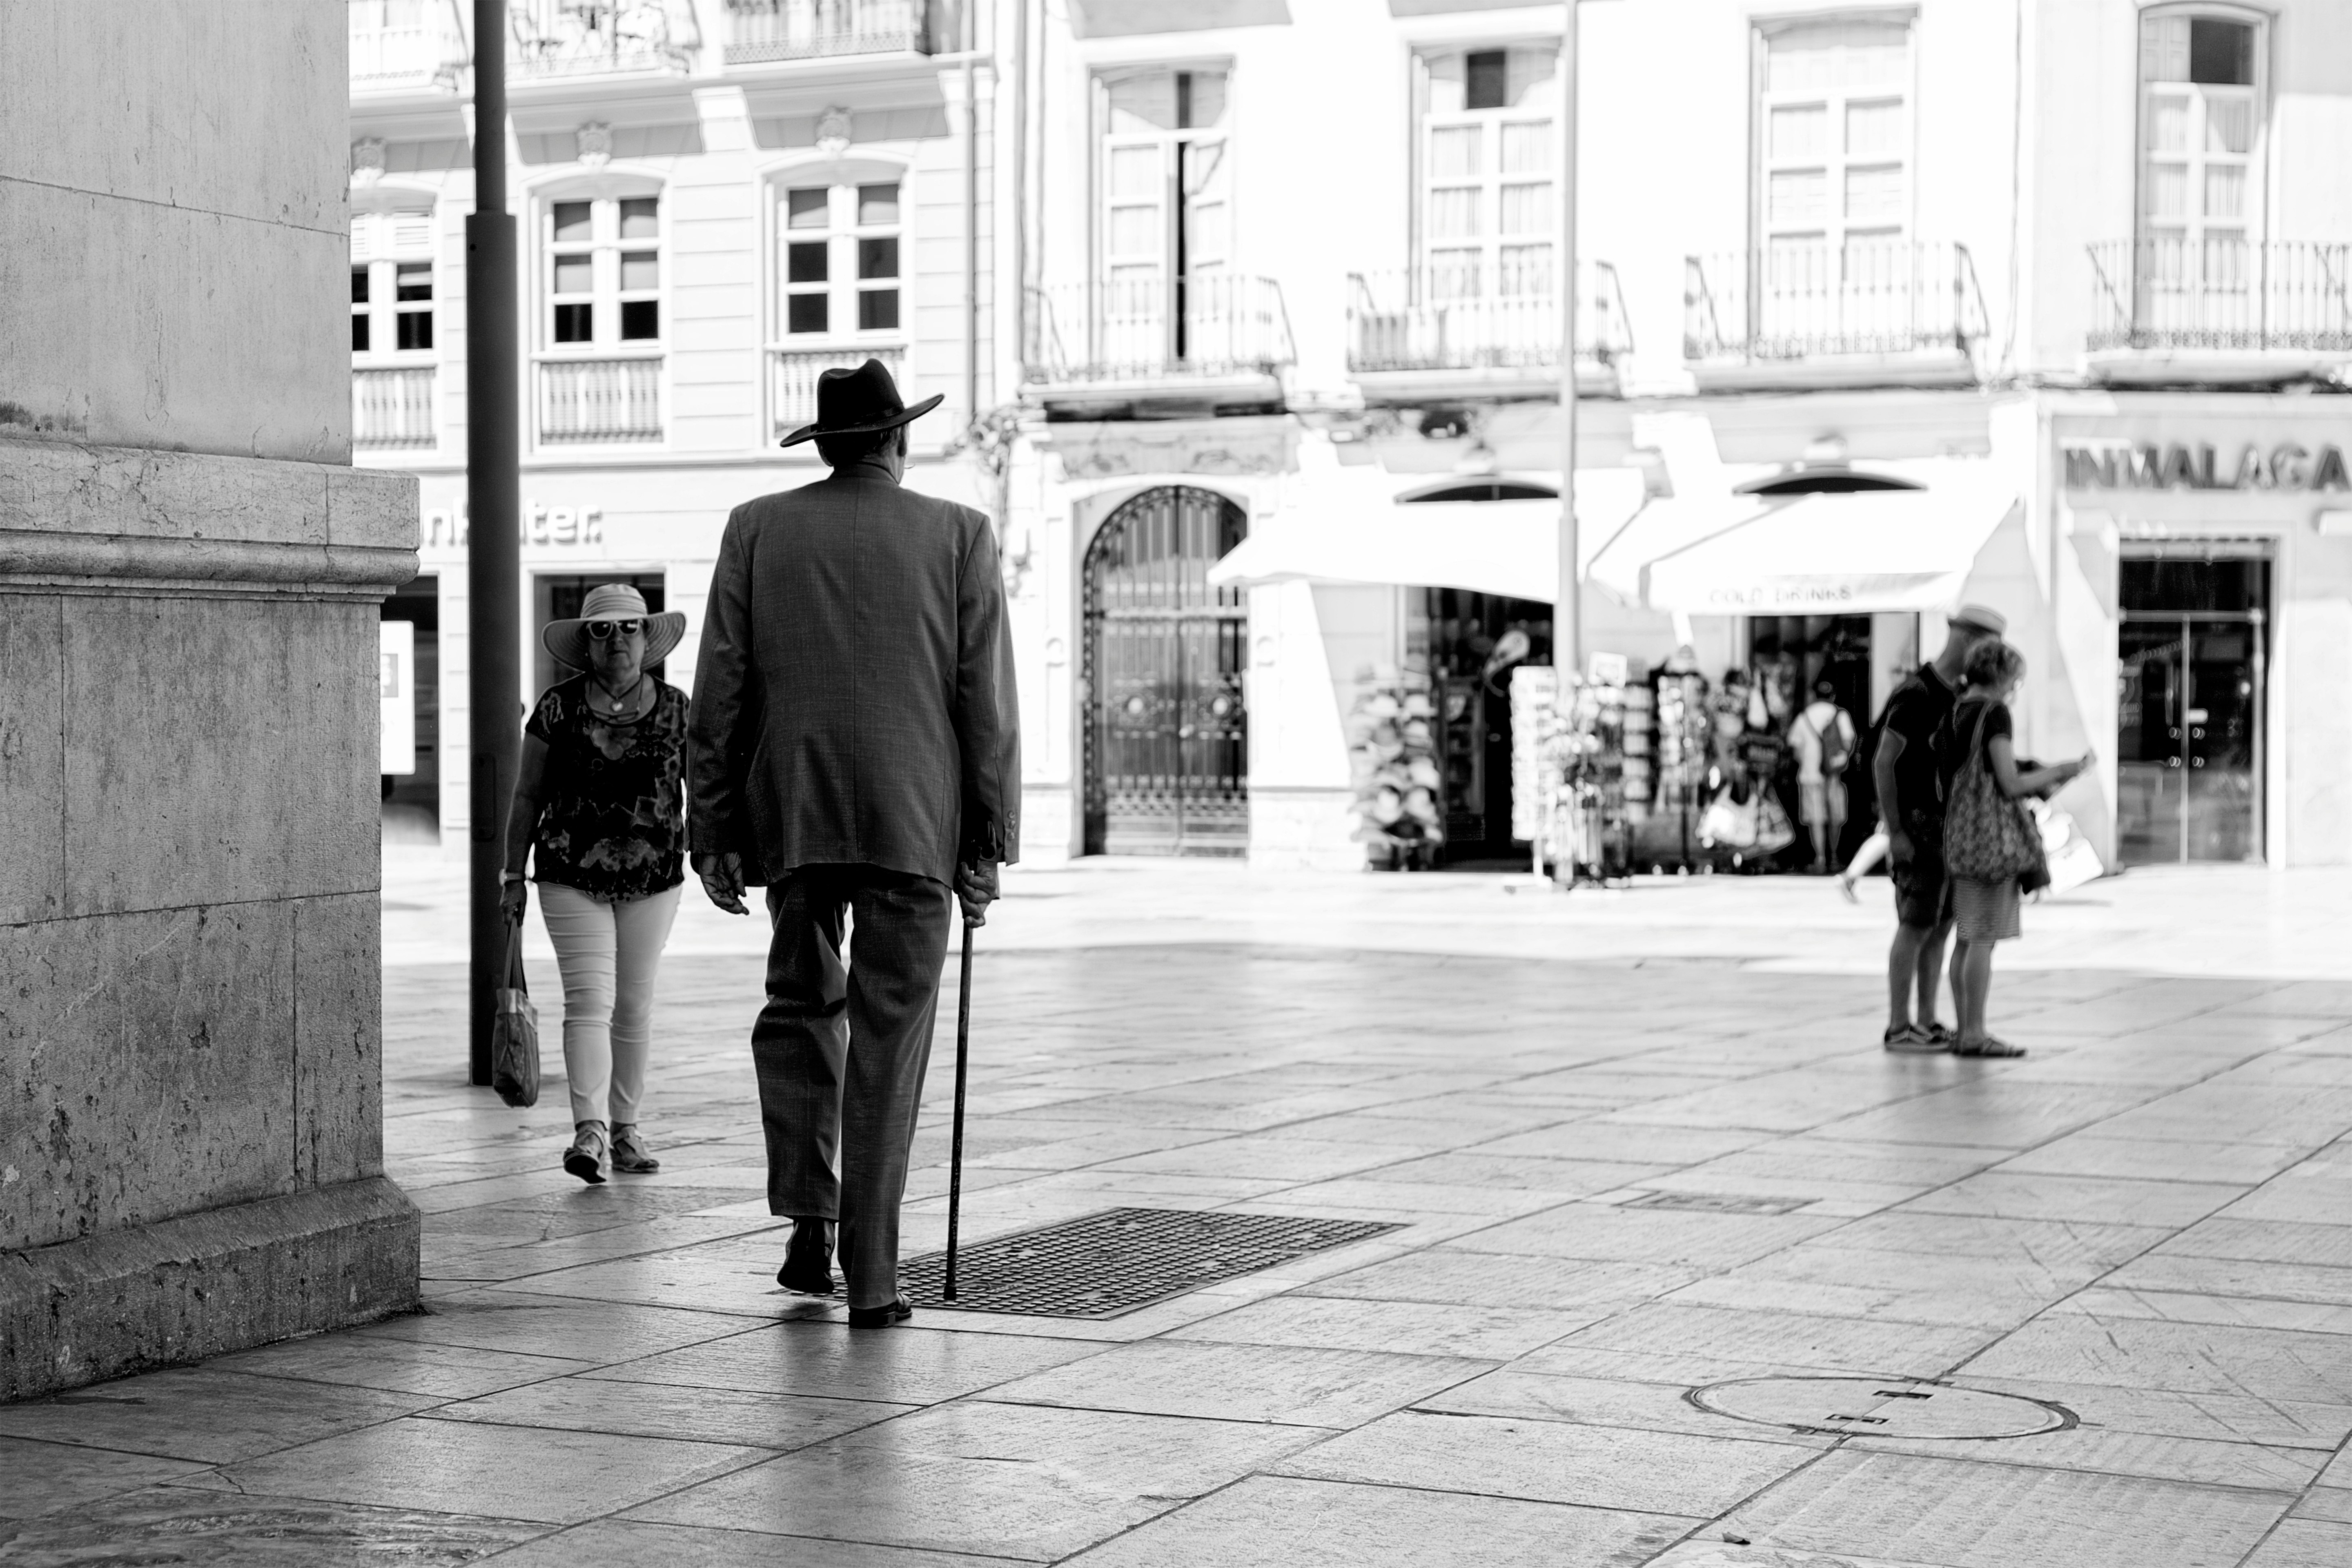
point(1880, 1407)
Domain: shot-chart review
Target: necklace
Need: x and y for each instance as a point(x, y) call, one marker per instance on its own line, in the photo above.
point(621, 703)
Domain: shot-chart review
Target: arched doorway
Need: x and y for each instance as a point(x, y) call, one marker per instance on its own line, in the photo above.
point(1167, 741)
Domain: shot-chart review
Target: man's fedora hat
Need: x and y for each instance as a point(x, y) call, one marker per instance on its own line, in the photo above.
point(859, 402)
point(611, 602)
point(1976, 617)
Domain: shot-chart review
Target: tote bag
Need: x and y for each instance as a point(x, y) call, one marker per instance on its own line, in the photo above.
point(1987, 835)
point(514, 1031)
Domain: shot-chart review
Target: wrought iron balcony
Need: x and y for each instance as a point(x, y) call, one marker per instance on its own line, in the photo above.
point(580, 37)
point(2219, 304)
point(1202, 334)
point(792, 380)
point(1880, 311)
point(399, 44)
point(597, 401)
point(763, 30)
point(393, 406)
point(1446, 331)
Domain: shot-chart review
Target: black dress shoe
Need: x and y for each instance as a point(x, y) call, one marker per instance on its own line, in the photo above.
point(897, 1312)
point(808, 1261)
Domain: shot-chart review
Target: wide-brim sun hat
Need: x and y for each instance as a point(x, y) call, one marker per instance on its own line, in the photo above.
point(1978, 618)
point(567, 640)
point(860, 402)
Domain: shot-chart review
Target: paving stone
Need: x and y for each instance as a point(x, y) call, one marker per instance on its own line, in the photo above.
point(1004, 1480)
point(2092, 1154)
point(2185, 1307)
point(2331, 1503)
point(1453, 1275)
point(203, 1414)
point(730, 1415)
point(621, 1540)
point(1624, 1143)
point(1269, 1521)
point(1551, 1461)
point(44, 1477)
point(2048, 1244)
point(209, 1529)
point(546, 1326)
point(906, 1365)
point(1961, 1514)
point(1481, 1332)
point(1787, 1339)
point(400, 1366)
point(2265, 1241)
point(2305, 1543)
point(2198, 1460)
point(1607, 1233)
point(2024, 1195)
point(464, 1466)
point(2189, 1358)
point(2224, 1417)
point(1295, 1384)
point(1601, 1401)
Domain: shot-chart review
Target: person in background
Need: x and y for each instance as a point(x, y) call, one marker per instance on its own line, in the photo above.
point(599, 807)
point(1872, 850)
point(1823, 736)
point(1911, 804)
point(1985, 911)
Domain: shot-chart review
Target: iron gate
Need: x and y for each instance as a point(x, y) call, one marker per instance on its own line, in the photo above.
point(1167, 737)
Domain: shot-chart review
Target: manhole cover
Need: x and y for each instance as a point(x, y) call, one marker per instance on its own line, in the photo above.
point(1718, 1202)
point(1880, 1407)
point(1102, 1265)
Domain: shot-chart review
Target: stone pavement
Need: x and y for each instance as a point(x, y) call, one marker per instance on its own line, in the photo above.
point(1639, 1143)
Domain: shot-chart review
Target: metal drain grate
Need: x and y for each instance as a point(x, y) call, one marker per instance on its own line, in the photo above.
point(1101, 1265)
point(1718, 1203)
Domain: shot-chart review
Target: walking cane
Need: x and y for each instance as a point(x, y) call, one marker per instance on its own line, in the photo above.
point(955, 1141)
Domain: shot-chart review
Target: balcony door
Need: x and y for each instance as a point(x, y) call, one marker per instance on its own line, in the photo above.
point(2201, 177)
point(1167, 735)
point(1164, 295)
point(1833, 261)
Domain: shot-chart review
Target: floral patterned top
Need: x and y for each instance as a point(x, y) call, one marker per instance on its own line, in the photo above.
point(611, 821)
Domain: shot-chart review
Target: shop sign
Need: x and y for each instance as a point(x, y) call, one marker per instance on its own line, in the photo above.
point(539, 524)
point(2145, 465)
point(396, 693)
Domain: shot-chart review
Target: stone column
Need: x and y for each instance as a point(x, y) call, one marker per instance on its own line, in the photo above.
point(191, 1102)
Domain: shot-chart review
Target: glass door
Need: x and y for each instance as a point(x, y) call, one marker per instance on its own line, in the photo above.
point(2189, 742)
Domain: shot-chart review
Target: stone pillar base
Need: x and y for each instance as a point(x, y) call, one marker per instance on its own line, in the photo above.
point(205, 1284)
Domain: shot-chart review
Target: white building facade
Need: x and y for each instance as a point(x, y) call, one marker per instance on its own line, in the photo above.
point(2041, 303)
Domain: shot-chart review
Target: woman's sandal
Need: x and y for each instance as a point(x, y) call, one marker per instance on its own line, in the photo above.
point(1988, 1047)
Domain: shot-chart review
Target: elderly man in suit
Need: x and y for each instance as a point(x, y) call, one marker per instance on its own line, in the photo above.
point(855, 746)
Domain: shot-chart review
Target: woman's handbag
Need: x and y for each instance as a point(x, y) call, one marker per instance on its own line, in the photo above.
point(1728, 822)
point(1987, 835)
point(514, 1031)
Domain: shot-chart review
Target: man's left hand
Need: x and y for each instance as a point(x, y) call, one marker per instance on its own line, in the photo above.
point(722, 880)
point(975, 885)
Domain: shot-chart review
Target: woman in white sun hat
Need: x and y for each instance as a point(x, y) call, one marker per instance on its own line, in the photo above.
point(601, 799)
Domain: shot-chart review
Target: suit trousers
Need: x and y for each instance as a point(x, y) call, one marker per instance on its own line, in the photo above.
point(841, 1049)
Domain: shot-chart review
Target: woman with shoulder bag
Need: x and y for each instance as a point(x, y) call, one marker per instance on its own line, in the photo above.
point(601, 799)
point(1993, 848)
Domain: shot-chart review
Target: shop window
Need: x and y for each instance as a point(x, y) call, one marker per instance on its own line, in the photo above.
point(1833, 163)
point(603, 270)
point(2201, 120)
point(1486, 150)
point(840, 266)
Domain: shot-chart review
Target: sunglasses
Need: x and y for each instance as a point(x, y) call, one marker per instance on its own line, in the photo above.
point(606, 631)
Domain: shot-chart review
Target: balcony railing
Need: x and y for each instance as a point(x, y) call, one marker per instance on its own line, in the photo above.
point(406, 44)
point(792, 380)
point(1441, 318)
point(761, 30)
point(584, 402)
point(1868, 303)
point(578, 38)
point(393, 406)
point(1208, 325)
point(2282, 296)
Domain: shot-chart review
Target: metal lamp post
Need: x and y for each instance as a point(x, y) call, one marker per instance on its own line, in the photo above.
point(1567, 608)
point(493, 504)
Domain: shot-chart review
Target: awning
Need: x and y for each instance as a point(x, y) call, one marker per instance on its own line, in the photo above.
point(1507, 547)
point(1805, 555)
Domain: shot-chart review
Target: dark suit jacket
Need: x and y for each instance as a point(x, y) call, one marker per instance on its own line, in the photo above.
point(854, 701)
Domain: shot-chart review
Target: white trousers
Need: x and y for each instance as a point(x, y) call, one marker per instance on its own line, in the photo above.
point(608, 953)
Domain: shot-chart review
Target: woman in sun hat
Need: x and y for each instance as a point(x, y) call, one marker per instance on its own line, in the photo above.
point(601, 798)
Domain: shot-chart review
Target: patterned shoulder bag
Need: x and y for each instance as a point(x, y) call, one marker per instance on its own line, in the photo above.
point(1987, 835)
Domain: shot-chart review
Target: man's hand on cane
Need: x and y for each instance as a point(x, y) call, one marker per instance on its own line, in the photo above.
point(722, 880)
point(975, 885)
